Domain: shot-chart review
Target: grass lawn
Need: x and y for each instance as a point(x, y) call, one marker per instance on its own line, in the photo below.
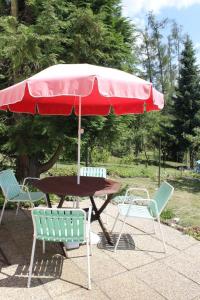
point(185, 203)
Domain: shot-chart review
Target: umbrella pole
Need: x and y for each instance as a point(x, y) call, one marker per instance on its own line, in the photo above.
point(79, 139)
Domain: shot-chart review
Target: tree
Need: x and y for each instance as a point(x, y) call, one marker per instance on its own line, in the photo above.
point(186, 103)
point(43, 33)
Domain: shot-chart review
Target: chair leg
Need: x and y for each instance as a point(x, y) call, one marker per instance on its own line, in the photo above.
point(74, 203)
point(17, 210)
point(154, 228)
point(115, 222)
point(90, 243)
point(43, 246)
point(2, 212)
point(77, 203)
point(116, 245)
point(88, 264)
point(45, 198)
point(164, 245)
point(31, 263)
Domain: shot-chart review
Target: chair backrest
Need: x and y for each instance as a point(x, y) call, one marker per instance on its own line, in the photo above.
point(162, 196)
point(9, 184)
point(93, 172)
point(58, 224)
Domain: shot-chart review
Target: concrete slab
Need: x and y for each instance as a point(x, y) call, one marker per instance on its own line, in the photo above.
point(138, 270)
point(83, 294)
point(102, 265)
point(167, 282)
point(131, 259)
point(128, 286)
point(183, 264)
point(194, 252)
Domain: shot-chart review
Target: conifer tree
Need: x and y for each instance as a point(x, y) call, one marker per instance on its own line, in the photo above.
point(186, 103)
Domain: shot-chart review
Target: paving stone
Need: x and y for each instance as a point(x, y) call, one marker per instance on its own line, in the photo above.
point(131, 259)
point(128, 286)
point(83, 294)
point(138, 270)
point(102, 265)
point(194, 252)
point(167, 281)
point(183, 264)
point(71, 278)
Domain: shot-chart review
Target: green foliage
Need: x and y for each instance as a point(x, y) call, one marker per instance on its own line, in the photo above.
point(63, 170)
point(193, 231)
point(186, 103)
point(167, 214)
point(127, 159)
point(100, 155)
point(50, 32)
point(130, 171)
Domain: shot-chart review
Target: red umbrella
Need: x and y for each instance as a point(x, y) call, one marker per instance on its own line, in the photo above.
point(86, 89)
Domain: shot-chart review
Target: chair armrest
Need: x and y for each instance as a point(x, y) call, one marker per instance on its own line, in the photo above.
point(25, 189)
point(138, 189)
point(149, 201)
point(27, 178)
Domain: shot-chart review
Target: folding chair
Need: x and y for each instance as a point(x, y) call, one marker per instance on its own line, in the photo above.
point(144, 208)
point(16, 193)
point(61, 225)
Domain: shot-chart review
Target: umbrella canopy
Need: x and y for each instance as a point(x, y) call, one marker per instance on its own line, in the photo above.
point(56, 91)
point(86, 89)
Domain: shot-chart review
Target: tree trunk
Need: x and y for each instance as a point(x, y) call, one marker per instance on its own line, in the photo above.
point(30, 167)
point(87, 155)
point(49, 164)
point(26, 167)
point(192, 155)
point(14, 8)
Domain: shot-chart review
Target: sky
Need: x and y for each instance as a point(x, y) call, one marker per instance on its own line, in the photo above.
point(184, 12)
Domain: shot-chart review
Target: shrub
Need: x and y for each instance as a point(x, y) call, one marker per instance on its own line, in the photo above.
point(100, 155)
point(167, 214)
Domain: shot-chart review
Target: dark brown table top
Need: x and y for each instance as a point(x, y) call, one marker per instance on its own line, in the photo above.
point(67, 186)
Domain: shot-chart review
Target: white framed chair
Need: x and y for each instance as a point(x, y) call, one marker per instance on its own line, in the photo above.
point(16, 193)
point(93, 172)
point(61, 225)
point(137, 207)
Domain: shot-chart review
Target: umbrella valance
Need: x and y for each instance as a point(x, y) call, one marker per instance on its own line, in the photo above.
point(57, 89)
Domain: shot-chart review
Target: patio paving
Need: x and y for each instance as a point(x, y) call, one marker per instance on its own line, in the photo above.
point(138, 270)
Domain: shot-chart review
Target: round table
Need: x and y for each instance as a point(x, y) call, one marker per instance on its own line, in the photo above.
point(89, 187)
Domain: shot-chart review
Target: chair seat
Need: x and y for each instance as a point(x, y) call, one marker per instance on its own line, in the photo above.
point(125, 199)
point(52, 238)
point(23, 196)
point(138, 211)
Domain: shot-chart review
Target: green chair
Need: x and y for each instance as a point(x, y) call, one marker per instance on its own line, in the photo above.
point(137, 207)
point(94, 172)
point(16, 193)
point(61, 225)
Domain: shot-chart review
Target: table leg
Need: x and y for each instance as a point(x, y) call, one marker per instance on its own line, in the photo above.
point(4, 257)
point(62, 199)
point(48, 201)
point(98, 218)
